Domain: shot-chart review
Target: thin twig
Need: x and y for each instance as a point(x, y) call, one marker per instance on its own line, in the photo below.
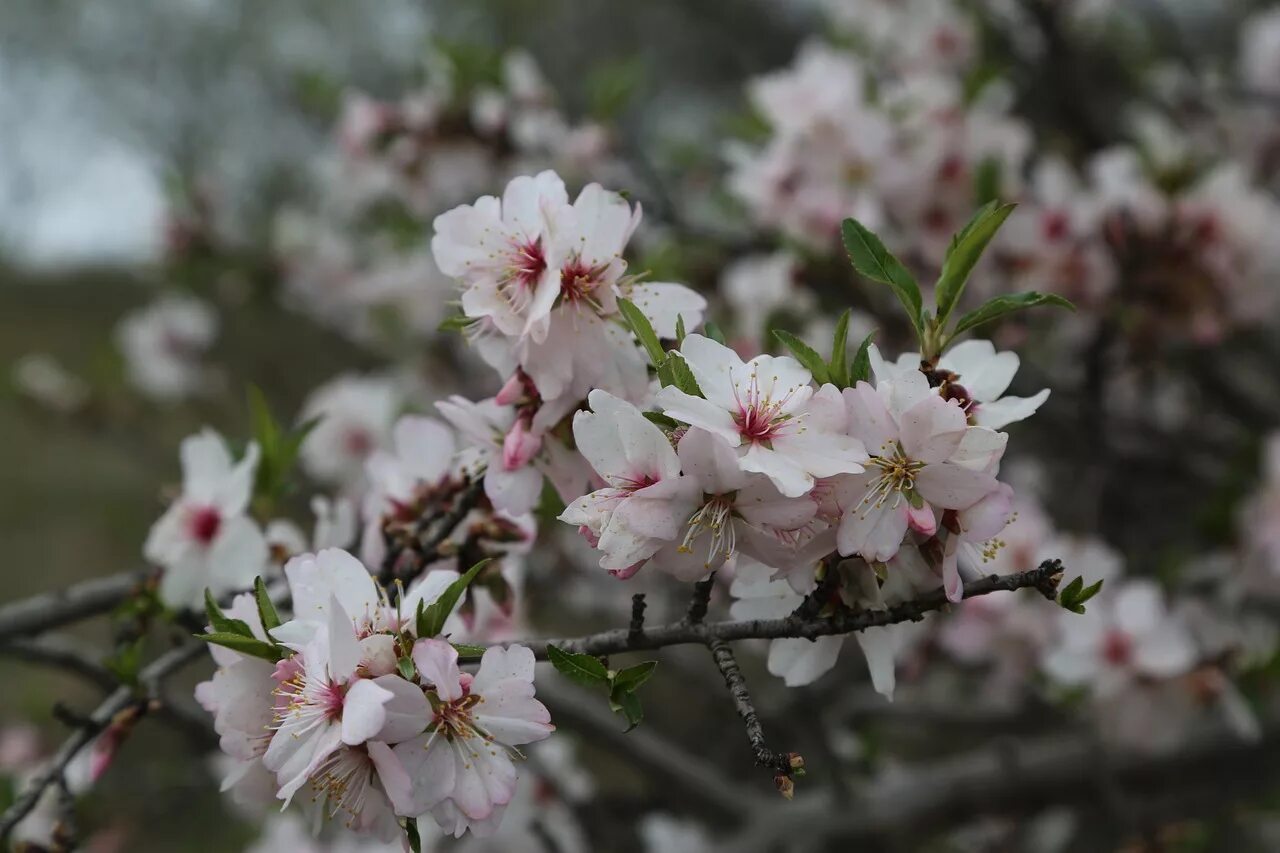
point(700, 601)
point(121, 700)
point(621, 640)
point(60, 653)
point(636, 627)
point(779, 762)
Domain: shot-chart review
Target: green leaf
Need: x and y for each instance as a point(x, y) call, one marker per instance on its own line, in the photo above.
point(266, 608)
point(406, 669)
point(1089, 592)
point(412, 836)
point(806, 355)
point(468, 650)
point(860, 370)
point(629, 705)
point(964, 252)
point(630, 679)
point(873, 260)
point(986, 180)
point(126, 662)
point(675, 371)
point(244, 645)
point(455, 323)
point(643, 331)
point(221, 623)
point(679, 330)
point(661, 420)
point(839, 372)
point(430, 620)
point(581, 668)
point(711, 330)
point(1002, 305)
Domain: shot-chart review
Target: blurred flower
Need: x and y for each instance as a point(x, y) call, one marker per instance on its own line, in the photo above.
point(163, 346)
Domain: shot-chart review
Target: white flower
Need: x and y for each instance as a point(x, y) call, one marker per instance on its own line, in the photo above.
point(357, 413)
point(645, 502)
point(41, 377)
point(205, 539)
point(514, 458)
point(163, 345)
point(423, 457)
point(924, 456)
point(460, 768)
point(767, 410)
point(1260, 52)
point(1124, 634)
point(758, 285)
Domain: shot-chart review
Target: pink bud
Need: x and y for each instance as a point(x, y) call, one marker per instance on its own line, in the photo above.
point(922, 520)
point(511, 392)
point(519, 446)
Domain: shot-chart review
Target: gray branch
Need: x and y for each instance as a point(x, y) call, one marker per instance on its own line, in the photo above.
point(54, 609)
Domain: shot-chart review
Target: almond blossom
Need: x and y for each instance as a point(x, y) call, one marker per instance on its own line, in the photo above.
point(460, 769)
point(767, 410)
point(356, 416)
point(205, 539)
point(164, 344)
point(925, 457)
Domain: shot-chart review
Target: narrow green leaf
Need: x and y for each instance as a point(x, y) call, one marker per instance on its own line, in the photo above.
point(679, 330)
point(1089, 592)
point(805, 354)
point(860, 369)
point(711, 330)
point(661, 420)
point(1002, 305)
point(986, 180)
point(839, 371)
point(222, 623)
point(245, 645)
point(630, 679)
point(674, 371)
point(873, 260)
point(629, 704)
point(431, 619)
point(455, 323)
point(964, 252)
point(266, 608)
point(406, 669)
point(583, 669)
point(412, 836)
point(468, 650)
point(643, 331)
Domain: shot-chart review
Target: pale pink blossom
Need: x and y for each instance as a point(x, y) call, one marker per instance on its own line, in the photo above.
point(356, 417)
point(164, 344)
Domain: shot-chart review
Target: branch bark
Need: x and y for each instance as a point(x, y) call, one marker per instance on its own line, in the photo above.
point(54, 609)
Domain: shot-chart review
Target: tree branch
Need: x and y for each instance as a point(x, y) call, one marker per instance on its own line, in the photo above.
point(779, 762)
point(125, 697)
point(53, 609)
point(620, 640)
point(60, 653)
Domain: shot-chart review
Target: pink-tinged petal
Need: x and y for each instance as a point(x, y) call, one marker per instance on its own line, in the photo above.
point(237, 556)
point(377, 655)
point(485, 777)
point(429, 762)
point(874, 530)
point(1009, 410)
point(407, 711)
point(922, 520)
point(823, 454)
point(699, 413)
point(716, 369)
point(989, 516)
point(363, 714)
point(645, 449)
point(880, 647)
point(932, 429)
point(516, 491)
point(344, 647)
point(315, 579)
point(826, 411)
point(981, 449)
point(663, 302)
point(799, 662)
point(394, 778)
point(460, 242)
point(782, 471)
point(984, 373)
point(710, 462)
point(527, 201)
point(424, 445)
point(621, 547)
point(906, 390)
point(761, 505)
point(869, 419)
point(953, 487)
point(952, 584)
point(437, 662)
point(296, 757)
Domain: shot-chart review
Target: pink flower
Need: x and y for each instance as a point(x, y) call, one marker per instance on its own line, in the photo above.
point(205, 539)
point(768, 412)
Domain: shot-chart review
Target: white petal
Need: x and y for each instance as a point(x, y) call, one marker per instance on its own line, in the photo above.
point(363, 714)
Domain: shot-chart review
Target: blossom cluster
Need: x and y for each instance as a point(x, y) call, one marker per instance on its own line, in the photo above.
point(361, 707)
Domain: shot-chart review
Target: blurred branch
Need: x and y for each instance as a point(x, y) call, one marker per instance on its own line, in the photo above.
point(59, 653)
point(53, 609)
point(111, 710)
point(1020, 778)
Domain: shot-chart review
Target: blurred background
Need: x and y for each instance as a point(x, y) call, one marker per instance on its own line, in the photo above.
point(199, 195)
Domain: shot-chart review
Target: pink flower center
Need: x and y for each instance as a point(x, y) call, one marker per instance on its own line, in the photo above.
point(529, 262)
point(1055, 226)
point(204, 523)
point(1117, 648)
point(357, 442)
point(760, 418)
point(578, 281)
